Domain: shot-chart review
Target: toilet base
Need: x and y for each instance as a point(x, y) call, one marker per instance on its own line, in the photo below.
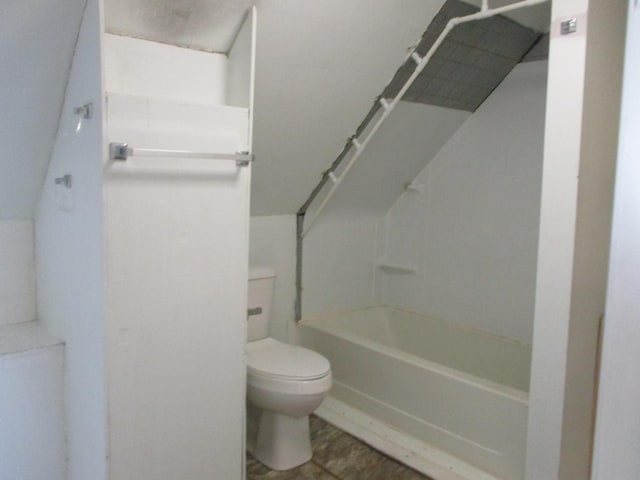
point(283, 442)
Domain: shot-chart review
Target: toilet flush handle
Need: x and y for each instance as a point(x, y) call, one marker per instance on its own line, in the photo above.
point(254, 311)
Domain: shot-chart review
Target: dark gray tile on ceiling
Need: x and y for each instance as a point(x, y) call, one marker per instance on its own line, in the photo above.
point(540, 51)
point(478, 54)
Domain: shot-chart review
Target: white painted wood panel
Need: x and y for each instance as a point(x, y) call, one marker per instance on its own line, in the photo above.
point(32, 433)
point(177, 237)
point(140, 67)
point(70, 256)
point(17, 272)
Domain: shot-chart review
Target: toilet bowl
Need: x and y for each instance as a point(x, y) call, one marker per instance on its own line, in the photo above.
point(285, 383)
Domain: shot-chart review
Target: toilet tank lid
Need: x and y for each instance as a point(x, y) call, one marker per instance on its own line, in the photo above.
point(257, 272)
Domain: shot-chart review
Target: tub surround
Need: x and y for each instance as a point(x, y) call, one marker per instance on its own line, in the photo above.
point(472, 233)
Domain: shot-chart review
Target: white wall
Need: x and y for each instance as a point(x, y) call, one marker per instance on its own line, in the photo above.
point(273, 243)
point(69, 256)
point(17, 272)
point(338, 257)
point(617, 438)
point(471, 233)
point(32, 436)
point(158, 70)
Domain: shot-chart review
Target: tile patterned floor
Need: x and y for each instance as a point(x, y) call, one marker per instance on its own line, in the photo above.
point(337, 456)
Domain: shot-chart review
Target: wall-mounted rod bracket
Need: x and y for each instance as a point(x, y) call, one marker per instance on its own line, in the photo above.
point(569, 26)
point(119, 151)
point(85, 111)
point(65, 180)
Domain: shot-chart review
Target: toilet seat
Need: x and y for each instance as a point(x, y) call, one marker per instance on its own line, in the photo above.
point(281, 386)
point(269, 359)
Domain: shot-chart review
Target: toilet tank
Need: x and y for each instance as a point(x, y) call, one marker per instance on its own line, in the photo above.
point(261, 283)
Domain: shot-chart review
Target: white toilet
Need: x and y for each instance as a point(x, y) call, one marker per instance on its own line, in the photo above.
point(285, 383)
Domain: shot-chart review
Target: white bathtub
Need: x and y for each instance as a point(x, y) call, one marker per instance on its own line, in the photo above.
point(459, 390)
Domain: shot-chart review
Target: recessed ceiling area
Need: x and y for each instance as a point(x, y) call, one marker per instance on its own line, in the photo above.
point(209, 25)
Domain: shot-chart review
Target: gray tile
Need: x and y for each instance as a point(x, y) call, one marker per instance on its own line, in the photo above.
point(389, 469)
point(337, 456)
point(307, 471)
point(411, 96)
point(350, 459)
point(421, 83)
point(479, 54)
point(447, 71)
point(540, 51)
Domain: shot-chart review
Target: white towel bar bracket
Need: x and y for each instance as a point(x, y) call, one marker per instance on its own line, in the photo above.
point(122, 152)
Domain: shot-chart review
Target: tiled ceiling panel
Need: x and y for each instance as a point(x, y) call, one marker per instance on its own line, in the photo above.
point(540, 51)
point(471, 62)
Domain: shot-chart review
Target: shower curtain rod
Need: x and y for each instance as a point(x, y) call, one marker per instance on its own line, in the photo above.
point(388, 107)
point(122, 151)
point(360, 145)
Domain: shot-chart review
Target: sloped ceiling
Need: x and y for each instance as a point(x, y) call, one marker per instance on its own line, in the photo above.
point(36, 47)
point(320, 66)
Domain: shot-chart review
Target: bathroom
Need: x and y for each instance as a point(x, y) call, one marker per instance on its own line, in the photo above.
point(100, 224)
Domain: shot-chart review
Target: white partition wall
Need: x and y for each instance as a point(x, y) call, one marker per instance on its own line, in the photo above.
point(18, 272)
point(617, 436)
point(177, 237)
point(583, 103)
point(142, 264)
point(32, 440)
point(70, 255)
